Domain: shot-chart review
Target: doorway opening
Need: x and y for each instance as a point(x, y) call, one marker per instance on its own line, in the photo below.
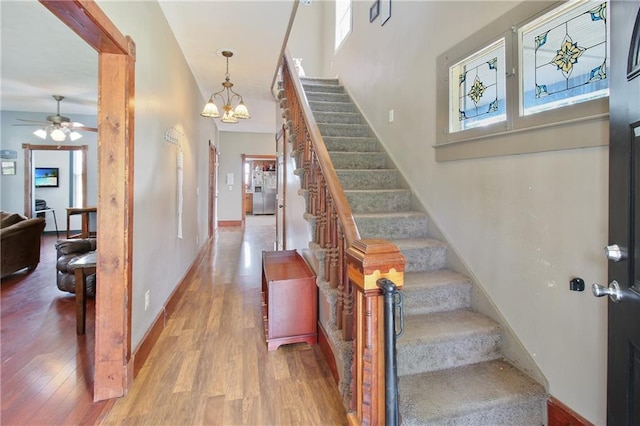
point(259, 186)
point(77, 187)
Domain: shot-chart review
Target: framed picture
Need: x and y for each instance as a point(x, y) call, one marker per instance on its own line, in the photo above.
point(374, 10)
point(8, 167)
point(46, 177)
point(385, 11)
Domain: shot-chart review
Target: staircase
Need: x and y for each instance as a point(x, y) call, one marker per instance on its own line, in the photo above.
point(449, 359)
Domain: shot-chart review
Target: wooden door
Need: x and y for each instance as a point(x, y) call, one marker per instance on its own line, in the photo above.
point(623, 375)
point(213, 189)
point(280, 200)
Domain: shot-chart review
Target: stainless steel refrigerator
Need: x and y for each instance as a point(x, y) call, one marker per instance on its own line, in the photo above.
point(264, 200)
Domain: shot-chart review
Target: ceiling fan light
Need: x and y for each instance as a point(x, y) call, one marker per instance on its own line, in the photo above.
point(41, 133)
point(210, 110)
point(57, 135)
point(74, 136)
point(241, 111)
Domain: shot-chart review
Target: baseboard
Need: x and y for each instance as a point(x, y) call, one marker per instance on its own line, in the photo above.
point(152, 335)
point(325, 348)
point(561, 415)
point(225, 223)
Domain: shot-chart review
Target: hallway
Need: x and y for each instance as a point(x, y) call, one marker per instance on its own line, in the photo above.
point(210, 364)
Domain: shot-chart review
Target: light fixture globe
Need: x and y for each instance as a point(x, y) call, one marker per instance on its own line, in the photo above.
point(241, 111)
point(58, 135)
point(41, 133)
point(229, 117)
point(227, 95)
point(74, 136)
point(210, 110)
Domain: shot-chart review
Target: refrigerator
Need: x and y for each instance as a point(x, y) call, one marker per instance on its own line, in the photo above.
point(264, 195)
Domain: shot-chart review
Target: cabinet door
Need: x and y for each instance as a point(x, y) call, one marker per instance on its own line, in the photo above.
point(292, 308)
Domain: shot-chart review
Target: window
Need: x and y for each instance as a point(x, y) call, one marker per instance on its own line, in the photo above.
point(477, 89)
point(564, 57)
point(76, 185)
point(343, 21)
point(549, 69)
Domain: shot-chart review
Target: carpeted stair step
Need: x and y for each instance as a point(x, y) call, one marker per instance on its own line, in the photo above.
point(330, 129)
point(320, 80)
point(333, 107)
point(393, 225)
point(357, 160)
point(422, 254)
point(378, 200)
point(350, 144)
point(368, 179)
point(435, 291)
point(447, 339)
point(321, 88)
point(327, 97)
point(338, 117)
point(485, 394)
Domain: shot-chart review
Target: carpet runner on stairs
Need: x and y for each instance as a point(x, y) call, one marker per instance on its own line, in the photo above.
point(449, 361)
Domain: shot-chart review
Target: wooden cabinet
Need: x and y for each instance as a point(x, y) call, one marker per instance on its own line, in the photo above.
point(289, 299)
point(248, 203)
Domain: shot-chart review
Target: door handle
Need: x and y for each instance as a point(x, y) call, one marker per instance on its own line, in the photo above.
point(613, 291)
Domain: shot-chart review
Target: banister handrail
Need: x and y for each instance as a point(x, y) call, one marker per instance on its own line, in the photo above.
point(283, 48)
point(343, 209)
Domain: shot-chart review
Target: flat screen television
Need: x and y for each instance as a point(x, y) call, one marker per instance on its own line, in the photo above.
point(46, 177)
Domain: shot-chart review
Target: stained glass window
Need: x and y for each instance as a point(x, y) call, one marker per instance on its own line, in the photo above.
point(564, 57)
point(477, 89)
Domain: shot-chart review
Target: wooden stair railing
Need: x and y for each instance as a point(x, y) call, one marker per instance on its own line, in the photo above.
point(350, 265)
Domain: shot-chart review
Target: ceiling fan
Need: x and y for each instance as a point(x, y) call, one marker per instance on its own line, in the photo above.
point(57, 126)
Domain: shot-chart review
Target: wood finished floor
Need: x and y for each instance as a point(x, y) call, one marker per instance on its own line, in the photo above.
point(47, 370)
point(210, 365)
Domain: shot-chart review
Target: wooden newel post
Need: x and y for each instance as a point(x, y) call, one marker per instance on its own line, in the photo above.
point(367, 261)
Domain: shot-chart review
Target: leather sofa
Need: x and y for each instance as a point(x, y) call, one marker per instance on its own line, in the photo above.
point(67, 250)
point(20, 239)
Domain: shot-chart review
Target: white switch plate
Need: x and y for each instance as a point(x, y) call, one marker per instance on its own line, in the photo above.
point(390, 116)
point(146, 299)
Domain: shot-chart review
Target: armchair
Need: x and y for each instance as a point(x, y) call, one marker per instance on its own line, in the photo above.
point(67, 250)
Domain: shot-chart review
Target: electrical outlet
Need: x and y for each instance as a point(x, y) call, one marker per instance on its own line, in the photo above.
point(146, 299)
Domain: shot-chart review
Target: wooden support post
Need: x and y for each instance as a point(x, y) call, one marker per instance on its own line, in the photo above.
point(367, 261)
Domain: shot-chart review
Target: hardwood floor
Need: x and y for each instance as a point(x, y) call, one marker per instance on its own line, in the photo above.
point(47, 369)
point(209, 366)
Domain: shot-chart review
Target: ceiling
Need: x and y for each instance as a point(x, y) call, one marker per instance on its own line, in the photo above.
point(42, 57)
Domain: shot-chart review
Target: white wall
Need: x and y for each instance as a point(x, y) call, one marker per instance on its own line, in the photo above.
point(166, 97)
point(524, 225)
point(304, 41)
point(231, 147)
point(12, 197)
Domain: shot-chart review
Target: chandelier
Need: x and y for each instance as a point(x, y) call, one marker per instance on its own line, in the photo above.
point(227, 95)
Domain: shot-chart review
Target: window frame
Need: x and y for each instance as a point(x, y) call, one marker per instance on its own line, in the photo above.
point(502, 138)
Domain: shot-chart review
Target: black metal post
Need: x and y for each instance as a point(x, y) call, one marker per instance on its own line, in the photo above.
point(389, 290)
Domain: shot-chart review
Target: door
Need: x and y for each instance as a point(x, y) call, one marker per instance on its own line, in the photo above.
point(623, 375)
point(280, 200)
point(213, 189)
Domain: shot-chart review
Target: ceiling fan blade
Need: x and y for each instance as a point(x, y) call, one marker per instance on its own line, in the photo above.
point(85, 128)
point(30, 125)
point(43, 123)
